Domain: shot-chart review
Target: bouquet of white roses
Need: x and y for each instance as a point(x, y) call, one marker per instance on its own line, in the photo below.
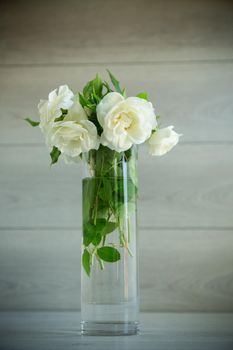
point(101, 125)
point(76, 123)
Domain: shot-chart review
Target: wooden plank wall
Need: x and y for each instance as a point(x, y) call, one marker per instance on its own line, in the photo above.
point(182, 53)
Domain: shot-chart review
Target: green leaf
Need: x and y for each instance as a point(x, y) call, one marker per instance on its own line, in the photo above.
point(115, 83)
point(88, 89)
point(108, 254)
point(89, 233)
point(125, 191)
point(83, 101)
point(54, 154)
point(96, 99)
point(89, 189)
point(108, 228)
point(100, 223)
point(93, 88)
point(103, 209)
point(124, 93)
point(32, 122)
point(105, 191)
point(98, 85)
point(143, 95)
point(106, 85)
point(86, 261)
point(92, 233)
point(128, 153)
point(96, 241)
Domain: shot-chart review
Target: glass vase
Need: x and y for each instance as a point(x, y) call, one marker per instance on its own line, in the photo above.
point(109, 277)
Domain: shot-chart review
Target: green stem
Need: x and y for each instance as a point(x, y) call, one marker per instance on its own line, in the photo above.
point(97, 191)
point(129, 229)
point(123, 240)
point(104, 238)
point(111, 167)
point(100, 262)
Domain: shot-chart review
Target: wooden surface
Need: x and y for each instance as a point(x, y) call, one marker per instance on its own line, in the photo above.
point(61, 330)
point(115, 31)
point(181, 52)
point(43, 271)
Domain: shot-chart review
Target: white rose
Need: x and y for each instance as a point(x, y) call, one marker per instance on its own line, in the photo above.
point(125, 121)
point(162, 141)
point(73, 135)
point(50, 109)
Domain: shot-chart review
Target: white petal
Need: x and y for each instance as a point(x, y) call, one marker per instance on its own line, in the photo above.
point(61, 98)
point(106, 104)
point(76, 113)
point(52, 95)
point(162, 141)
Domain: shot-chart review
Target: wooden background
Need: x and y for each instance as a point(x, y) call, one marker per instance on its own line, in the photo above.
point(181, 52)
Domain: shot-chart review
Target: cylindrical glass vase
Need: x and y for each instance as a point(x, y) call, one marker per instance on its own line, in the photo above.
point(109, 278)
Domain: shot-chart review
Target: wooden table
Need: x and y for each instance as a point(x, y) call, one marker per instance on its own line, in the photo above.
point(60, 330)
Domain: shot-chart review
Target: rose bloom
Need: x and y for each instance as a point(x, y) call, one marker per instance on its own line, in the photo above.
point(73, 135)
point(50, 109)
point(162, 141)
point(125, 121)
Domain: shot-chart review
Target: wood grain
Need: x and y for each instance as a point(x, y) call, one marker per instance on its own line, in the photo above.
point(61, 330)
point(196, 98)
point(115, 31)
point(190, 187)
point(181, 270)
